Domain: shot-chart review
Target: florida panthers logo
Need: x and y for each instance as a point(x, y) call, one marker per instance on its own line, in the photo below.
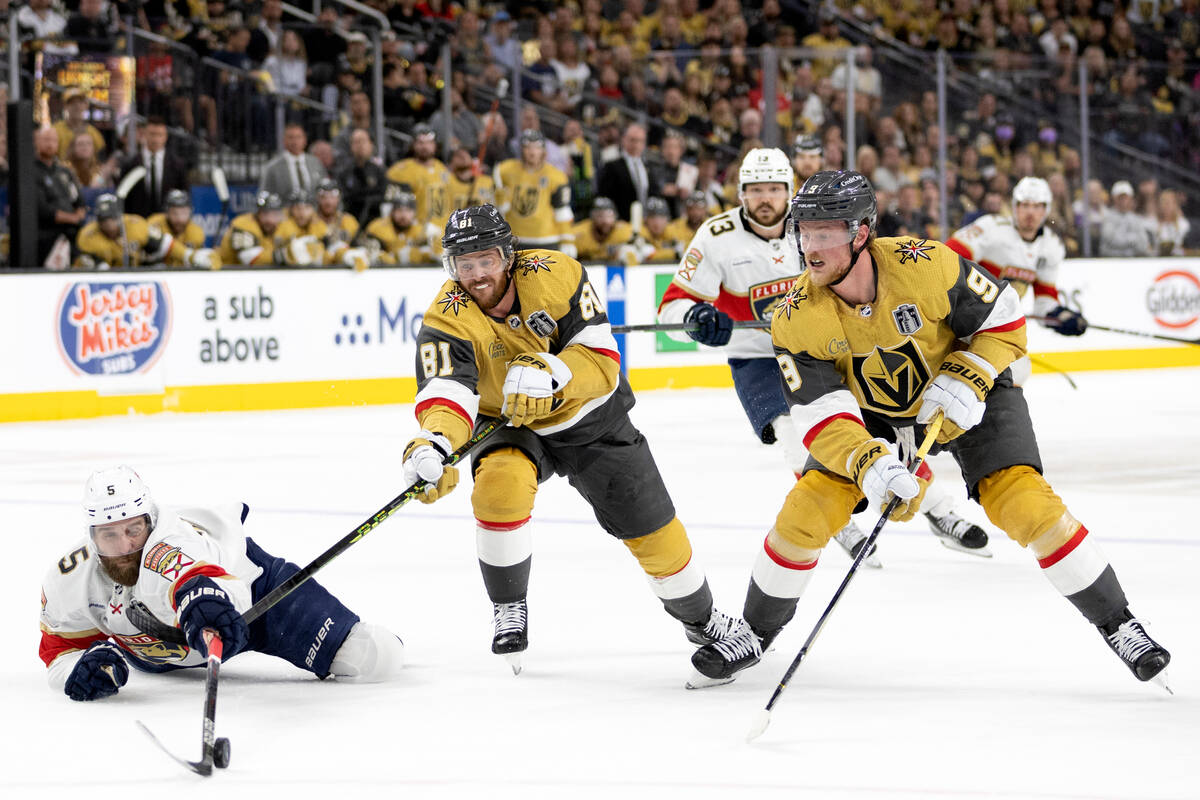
point(453, 300)
point(890, 380)
point(911, 250)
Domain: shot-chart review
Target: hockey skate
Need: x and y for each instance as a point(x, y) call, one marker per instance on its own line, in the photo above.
point(1146, 658)
point(959, 534)
point(851, 538)
point(717, 663)
point(718, 627)
point(511, 635)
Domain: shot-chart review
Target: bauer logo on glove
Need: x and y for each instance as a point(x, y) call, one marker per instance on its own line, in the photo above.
point(530, 385)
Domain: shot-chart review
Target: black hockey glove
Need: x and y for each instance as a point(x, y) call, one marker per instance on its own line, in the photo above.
point(202, 603)
point(1066, 321)
point(98, 673)
point(714, 327)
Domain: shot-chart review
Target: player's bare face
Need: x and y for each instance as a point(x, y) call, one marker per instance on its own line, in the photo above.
point(484, 275)
point(807, 164)
point(766, 203)
point(1030, 217)
point(119, 545)
point(826, 251)
point(178, 218)
point(302, 213)
point(110, 228)
point(533, 155)
point(424, 148)
point(269, 221)
point(327, 202)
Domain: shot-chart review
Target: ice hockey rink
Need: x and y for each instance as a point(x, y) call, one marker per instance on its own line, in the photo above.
point(942, 675)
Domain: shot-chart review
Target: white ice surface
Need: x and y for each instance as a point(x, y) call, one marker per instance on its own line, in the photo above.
point(941, 676)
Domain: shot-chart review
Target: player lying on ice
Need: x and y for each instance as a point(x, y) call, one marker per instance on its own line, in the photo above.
point(193, 568)
point(522, 333)
point(946, 332)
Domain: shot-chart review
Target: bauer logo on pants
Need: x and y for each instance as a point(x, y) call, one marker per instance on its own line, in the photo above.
point(113, 327)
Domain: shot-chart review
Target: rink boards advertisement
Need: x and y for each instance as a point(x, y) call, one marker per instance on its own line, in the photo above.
point(88, 344)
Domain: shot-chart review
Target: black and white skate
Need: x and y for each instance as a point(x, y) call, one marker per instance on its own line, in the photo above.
point(959, 534)
point(717, 663)
point(718, 627)
point(1146, 658)
point(852, 540)
point(511, 635)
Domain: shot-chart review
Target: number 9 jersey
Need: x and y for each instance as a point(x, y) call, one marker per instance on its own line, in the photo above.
point(739, 272)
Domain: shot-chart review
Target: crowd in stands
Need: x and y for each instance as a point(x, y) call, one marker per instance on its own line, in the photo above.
point(649, 105)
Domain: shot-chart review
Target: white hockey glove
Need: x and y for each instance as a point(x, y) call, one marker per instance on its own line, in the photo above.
point(201, 257)
point(356, 257)
point(302, 251)
point(530, 384)
point(423, 458)
point(960, 390)
point(881, 477)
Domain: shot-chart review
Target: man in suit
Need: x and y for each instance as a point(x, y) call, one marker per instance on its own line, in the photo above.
point(164, 171)
point(293, 169)
point(626, 179)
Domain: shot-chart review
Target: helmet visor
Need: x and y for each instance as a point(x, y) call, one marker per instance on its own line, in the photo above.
point(122, 537)
point(818, 235)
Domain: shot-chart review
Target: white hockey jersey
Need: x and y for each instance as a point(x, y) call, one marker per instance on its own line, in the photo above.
point(992, 242)
point(81, 604)
point(738, 271)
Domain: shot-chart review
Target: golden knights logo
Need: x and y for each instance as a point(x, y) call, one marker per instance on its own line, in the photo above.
point(790, 301)
point(911, 250)
point(890, 380)
point(534, 264)
point(525, 200)
point(453, 300)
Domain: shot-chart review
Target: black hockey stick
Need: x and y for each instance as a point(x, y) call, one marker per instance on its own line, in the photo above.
point(144, 619)
point(686, 326)
point(1143, 334)
point(213, 751)
point(764, 717)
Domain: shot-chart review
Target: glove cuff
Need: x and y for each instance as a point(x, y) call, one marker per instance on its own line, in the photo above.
point(435, 440)
point(862, 457)
point(971, 369)
point(560, 373)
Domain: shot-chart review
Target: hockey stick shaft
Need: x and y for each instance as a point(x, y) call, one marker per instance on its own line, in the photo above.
point(1143, 334)
point(687, 326)
point(931, 433)
point(1048, 366)
point(208, 736)
point(288, 586)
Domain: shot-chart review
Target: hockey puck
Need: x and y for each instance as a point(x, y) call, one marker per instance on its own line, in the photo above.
point(221, 748)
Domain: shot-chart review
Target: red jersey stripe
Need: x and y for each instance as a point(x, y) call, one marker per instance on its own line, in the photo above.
point(815, 430)
point(441, 401)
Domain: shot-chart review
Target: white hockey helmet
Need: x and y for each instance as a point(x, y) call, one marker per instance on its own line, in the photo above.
point(1031, 190)
point(114, 494)
point(766, 165)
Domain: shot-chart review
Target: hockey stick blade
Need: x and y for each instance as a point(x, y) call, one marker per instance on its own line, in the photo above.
point(208, 740)
point(126, 185)
point(764, 717)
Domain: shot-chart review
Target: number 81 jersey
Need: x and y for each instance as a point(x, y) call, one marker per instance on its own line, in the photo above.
point(738, 271)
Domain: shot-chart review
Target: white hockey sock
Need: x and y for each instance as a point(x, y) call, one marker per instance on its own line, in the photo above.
point(1075, 565)
point(687, 581)
point(778, 577)
point(370, 654)
point(499, 545)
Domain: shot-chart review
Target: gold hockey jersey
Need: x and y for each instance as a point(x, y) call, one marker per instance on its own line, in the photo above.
point(537, 204)
point(387, 244)
point(193, 234)
point(838, 361)
point(666, 248)
point(463, 354)
point(146, 245)
point(245, 244)
point(608, 249)
point(464, 194)
point(317, 251)
point(429, 182)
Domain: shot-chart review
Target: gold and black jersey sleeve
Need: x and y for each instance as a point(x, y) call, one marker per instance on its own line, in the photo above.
point(837, 360)
point(463, 354)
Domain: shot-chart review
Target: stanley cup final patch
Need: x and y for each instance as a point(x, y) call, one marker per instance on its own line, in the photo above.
point(908, 319)
point(541, 323)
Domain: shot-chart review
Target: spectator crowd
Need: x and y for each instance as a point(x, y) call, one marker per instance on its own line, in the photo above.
point(632, 111)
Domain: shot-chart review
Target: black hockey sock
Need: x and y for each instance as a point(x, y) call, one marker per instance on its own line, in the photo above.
point(506, 584)
point(765, 613)
point(694, 608)
point(1103, 600)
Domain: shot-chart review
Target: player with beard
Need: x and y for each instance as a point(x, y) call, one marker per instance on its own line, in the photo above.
point(879, 337)
point(523, 335)
point(177, 221)
point(250, 240)
point(426, 175)
point(736, 268)
point(466, 188)
point(602, 237)
point(192, 568)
